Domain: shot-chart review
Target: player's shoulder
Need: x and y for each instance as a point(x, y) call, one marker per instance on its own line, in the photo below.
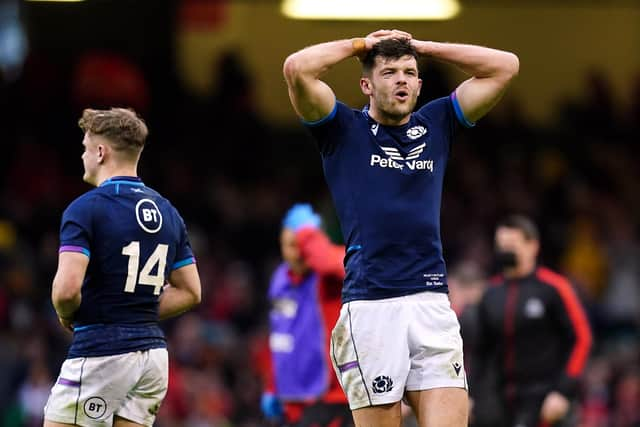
point(345, 110)
point(435, 108)
point(83, 203)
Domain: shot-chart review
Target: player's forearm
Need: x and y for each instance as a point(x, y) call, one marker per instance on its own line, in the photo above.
point(478, 61)
point(175, 301)
point(66, 305)
point(313, 61)
point(65, 299)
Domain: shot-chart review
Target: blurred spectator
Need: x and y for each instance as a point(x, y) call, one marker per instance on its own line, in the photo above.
point(301, 388)
point(467, 284)
point(533, 334)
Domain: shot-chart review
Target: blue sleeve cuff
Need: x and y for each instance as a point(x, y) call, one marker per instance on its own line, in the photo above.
point(459, 114)
point(176, 265)
point(325, 119)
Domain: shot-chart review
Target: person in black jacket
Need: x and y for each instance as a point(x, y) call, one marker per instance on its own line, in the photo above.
point(533, 337)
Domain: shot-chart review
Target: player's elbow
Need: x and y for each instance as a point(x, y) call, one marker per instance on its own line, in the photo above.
point(511, 66)
point(196, 296)
point(291, 68)
point(195, 292)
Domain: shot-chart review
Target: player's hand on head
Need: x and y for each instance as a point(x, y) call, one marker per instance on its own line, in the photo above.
point(399, 34)
point(301, 216)
point(372, 38)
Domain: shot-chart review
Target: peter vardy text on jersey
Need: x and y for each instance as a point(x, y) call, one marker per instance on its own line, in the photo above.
point(377, 160)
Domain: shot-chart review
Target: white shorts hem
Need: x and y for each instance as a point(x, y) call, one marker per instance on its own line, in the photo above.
point(429, 385)
point(57, 418)
point(374, 402)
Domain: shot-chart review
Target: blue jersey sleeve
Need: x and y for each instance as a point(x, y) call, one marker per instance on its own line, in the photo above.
point(76, 229)
point(446, 113)
point(325, 130)
point(184, 253)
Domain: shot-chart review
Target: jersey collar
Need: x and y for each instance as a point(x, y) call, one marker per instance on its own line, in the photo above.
point(133, 180)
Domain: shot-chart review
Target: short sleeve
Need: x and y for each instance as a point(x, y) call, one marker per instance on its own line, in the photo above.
point(440, 112)
point(75, 229)
point(327, 130)
point(184, 253)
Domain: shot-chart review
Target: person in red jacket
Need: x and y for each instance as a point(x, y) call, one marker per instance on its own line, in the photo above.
point(301, 388)
point(533, 337)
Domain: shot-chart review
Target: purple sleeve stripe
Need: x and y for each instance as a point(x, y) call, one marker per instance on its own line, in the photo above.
point(190, 260)
point(348, 365)
point(71, 248)
point(70, 383)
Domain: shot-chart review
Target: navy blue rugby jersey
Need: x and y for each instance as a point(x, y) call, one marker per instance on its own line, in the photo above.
point(134, 238)
point(386, 183)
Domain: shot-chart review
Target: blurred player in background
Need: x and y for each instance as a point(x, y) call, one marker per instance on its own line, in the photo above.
point(385, 168)
point(532, 333)
point(120, 244)
point(300, 388)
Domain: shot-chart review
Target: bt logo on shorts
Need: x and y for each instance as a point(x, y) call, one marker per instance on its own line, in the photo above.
point(382, 384)
point(95, 407)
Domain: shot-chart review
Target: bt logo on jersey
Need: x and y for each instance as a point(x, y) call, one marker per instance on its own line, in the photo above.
point(148, 215)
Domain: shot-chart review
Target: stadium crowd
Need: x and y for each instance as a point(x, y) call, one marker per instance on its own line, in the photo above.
point(233, 175)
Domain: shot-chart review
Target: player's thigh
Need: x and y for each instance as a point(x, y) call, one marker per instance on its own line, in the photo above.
point(440, 407)
point(370, 352)
point(379, 416)
point(435, 344)
point(144, 399)
point(121, 422)
point(89, 389)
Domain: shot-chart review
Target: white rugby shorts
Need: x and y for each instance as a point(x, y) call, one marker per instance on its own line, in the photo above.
point(91, 390)
point(382, 348)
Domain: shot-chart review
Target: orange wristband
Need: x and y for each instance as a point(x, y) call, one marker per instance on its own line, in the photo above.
point(359, 46)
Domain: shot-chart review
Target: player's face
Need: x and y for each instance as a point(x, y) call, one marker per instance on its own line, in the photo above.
point(291, 252)
point(90, 159)
point(393, 87)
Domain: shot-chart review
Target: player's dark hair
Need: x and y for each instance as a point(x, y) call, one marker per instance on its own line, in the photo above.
point(121, 126)
point(522, 223)
point(387, 49)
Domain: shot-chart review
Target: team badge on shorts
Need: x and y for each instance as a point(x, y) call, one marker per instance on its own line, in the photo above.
point(382, 384)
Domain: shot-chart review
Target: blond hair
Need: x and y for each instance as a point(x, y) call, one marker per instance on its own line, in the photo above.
point(124, 129)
